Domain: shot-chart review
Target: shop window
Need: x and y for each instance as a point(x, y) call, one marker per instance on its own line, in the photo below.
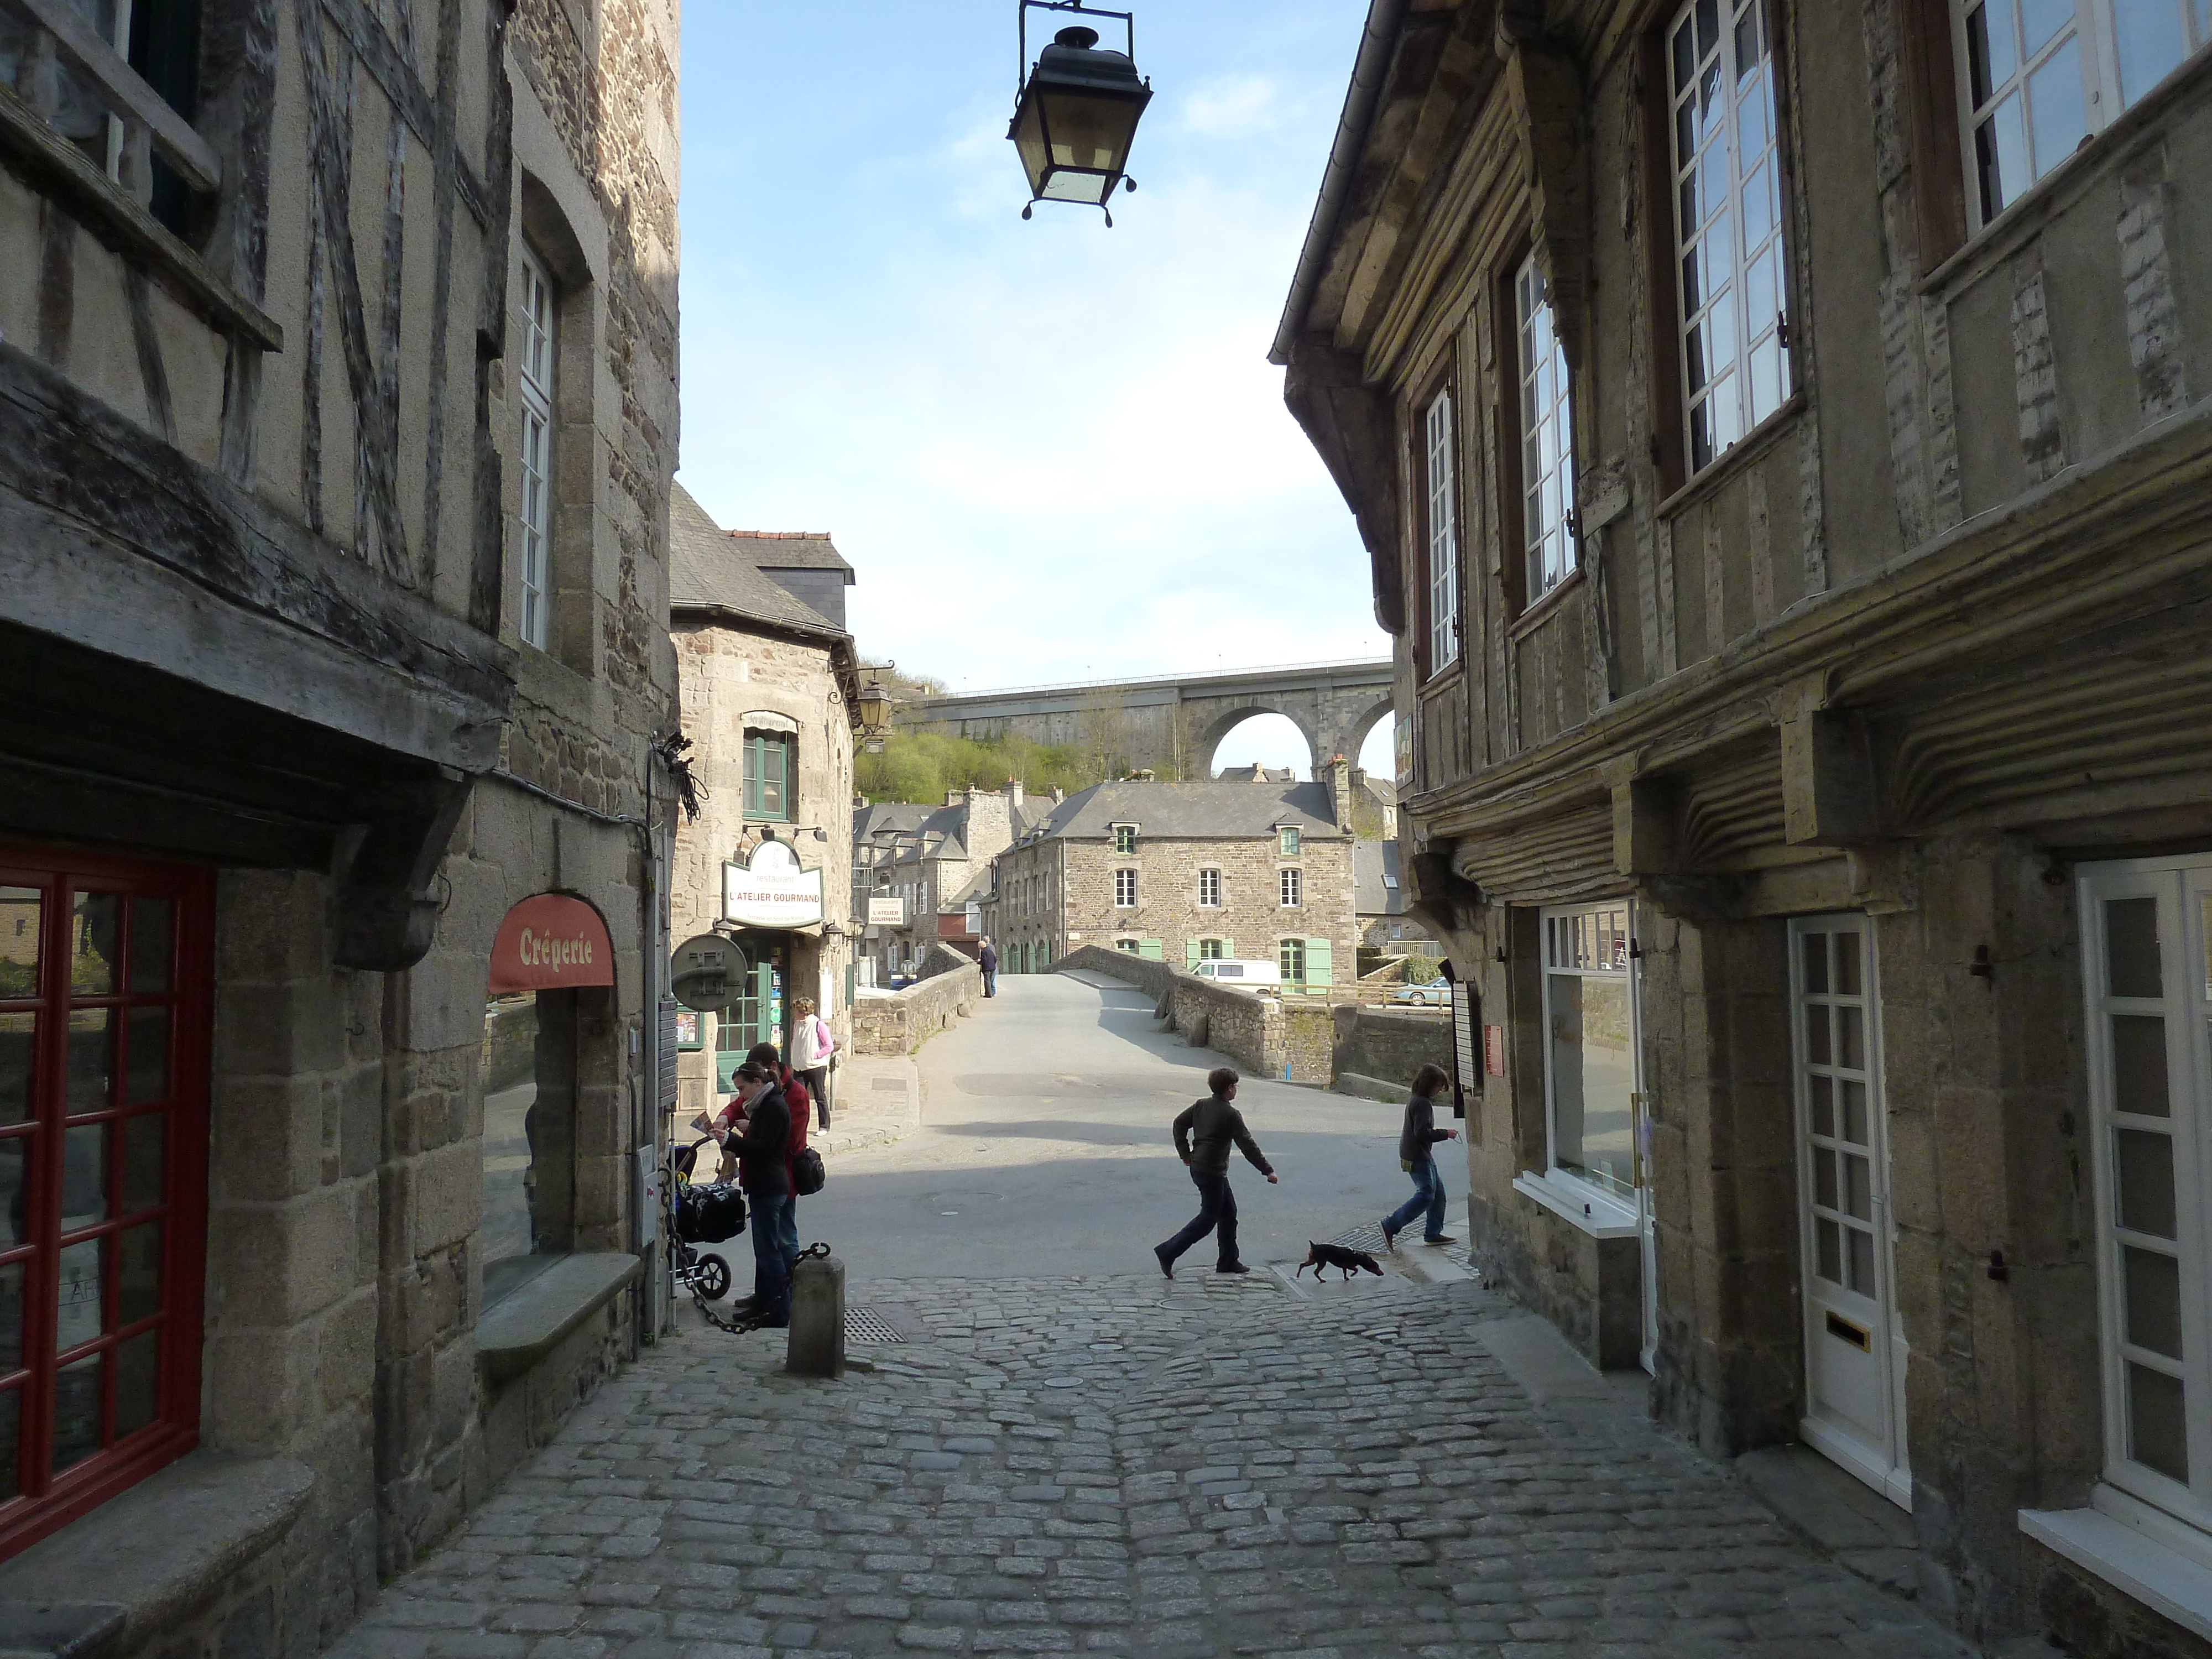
point(769, 757)
point(1589, 1047)
point(1209, 889)
point(1729, 293)
point(2039, 77)
point(538, 352)
point(105, 976)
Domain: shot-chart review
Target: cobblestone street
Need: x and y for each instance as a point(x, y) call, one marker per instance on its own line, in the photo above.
point(1120, 1464)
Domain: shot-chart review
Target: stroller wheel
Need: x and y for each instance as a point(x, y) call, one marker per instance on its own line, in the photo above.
point(713, 1278)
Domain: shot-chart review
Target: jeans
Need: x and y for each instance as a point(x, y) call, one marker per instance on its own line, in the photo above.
point(1428, 1195)
point(816, 1080)
point(776, 1249)
point(1217, 1208)
point(991, 982)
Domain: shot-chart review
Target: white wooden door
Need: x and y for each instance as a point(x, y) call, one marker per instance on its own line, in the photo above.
point(1855, 1349)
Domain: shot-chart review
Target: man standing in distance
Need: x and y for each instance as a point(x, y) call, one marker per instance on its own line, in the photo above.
point(989, 964)
point(1203, 1133)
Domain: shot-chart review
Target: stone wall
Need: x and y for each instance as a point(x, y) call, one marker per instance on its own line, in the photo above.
point(1266, 1035)
point(1389, 1044)
point(899, 1022)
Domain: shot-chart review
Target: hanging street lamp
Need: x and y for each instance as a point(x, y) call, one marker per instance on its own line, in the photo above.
point(1077, 111)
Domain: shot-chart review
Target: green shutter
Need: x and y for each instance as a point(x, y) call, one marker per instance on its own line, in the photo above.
point(1318, 970)
point(1149, 949)
point(1190, 953)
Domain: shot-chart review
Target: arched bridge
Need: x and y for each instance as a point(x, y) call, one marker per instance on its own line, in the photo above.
point(1175, 723)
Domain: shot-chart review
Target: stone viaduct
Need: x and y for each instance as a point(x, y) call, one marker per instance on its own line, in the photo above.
point(1175, 723)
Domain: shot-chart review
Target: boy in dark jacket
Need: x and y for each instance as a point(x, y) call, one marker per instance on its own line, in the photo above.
point(1203, 1134)
point(1415, 1140)
point(764, 1172)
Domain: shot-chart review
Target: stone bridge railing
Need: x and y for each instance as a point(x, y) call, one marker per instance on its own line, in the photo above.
point(899, 1022)
point(1269, 1036)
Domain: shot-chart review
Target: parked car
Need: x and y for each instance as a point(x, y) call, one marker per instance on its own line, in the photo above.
point(900, 981)
point(1436, 993)
point(1246, 975)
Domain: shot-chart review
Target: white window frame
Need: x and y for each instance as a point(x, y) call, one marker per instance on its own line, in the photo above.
point(1591, 1205)
point(1732, 351)
point(1209, 889)
point(1125, 890)
point(1547, 438)
point(1999, 125)
point(1442, 533)
point(1291, 888)
point(2181, 890)
point(537, 357)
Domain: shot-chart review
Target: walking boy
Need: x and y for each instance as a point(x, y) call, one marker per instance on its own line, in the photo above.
point(1202, 1136)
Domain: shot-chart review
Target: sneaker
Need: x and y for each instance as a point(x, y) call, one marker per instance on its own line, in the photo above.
point(1441, 1238)
point(1233, 1267)
point(1167, 1267)
point(1389, 1238)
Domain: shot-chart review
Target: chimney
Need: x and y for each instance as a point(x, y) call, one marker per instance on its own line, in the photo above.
point(1058, 795)
point(1339, 790)
point(1014, 791)
point(954, 797)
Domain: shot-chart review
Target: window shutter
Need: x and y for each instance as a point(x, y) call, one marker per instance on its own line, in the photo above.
point(1149, 949)
point(1190, 953)
point(1318, 969)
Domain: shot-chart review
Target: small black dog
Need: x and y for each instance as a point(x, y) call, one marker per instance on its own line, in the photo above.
point(1335, 1256)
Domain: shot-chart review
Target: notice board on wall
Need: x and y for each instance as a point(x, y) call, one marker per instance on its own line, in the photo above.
point(1466, 1075)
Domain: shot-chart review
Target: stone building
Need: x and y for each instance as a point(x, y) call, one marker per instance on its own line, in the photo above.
point(1778, 432)
point(1185, 873)
point(338, 411)
point(770, 688)
point(1386, 923)
point(934, 863)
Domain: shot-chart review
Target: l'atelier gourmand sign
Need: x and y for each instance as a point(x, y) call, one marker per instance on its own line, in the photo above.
point(551, 943)
point(771, 891)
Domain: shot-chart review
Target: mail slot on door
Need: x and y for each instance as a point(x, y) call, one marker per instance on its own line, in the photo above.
point(1856, 1336)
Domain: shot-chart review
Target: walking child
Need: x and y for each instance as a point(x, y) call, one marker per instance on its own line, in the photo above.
point(1416, 1139)
point(1203, 1134)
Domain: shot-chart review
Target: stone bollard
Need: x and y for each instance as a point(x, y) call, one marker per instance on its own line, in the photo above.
point(817, 1318)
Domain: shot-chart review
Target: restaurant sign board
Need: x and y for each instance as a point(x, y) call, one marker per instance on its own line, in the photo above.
point(770, 890)
point(551, 943)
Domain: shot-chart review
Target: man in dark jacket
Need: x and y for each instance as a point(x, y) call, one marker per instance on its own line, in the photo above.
point(1203, 1134)
point(764, 1170)
point(1416, 1139)
point(989, 964)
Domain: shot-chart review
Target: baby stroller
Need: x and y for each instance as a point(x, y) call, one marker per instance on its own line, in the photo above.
point(701, 1212)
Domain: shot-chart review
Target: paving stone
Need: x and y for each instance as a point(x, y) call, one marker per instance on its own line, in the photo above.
point(1108, 1465)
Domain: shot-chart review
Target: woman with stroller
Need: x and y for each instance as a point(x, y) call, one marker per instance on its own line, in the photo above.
point(762, 1133)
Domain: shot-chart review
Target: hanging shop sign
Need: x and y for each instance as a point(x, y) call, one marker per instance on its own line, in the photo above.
point(771, 891)
point(705, 972)
point(886, 913)
point(551, 943)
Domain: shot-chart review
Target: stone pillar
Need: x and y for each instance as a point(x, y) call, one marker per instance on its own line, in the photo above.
point(817, 1318)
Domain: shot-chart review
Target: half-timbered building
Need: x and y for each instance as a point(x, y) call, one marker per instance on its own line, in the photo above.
point(337, 414)
point(1779, 433)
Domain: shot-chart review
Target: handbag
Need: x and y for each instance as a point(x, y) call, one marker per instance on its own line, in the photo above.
point(807, 1172)
point(710, 1214)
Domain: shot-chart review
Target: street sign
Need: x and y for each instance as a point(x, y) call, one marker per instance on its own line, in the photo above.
point(705, 971)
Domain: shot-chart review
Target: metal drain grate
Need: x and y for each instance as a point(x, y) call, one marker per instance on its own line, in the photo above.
point(1368, 1238)
point(862, 1326)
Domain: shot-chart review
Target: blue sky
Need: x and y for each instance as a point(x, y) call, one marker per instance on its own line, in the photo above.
point(1051, 450)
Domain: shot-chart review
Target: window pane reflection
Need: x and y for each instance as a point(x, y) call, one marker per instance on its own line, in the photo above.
point(21, 911)
point(11, 1317)
point(138, 1382)
point(145, 1155)
point(15, 1190)
point(153, 924)
point(1592, 1078)
point(91, 1060)
point(139, 1280)
point(18, 1034)
point(2145, 1182)
point(2153, 1300)
point(2139, 1064)
point(78, 1320)
point(93, 928)
point(84, 1176)
point(2158, 1427)
point(76, 1411)
point(2131, 958)
point(148, 1078)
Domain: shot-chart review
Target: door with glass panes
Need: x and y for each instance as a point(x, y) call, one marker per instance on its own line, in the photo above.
point(1855, 1349)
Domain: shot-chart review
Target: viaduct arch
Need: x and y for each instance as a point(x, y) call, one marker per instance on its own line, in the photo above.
point(1175, 723)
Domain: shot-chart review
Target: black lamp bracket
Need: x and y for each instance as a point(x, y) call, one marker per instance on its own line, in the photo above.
point(1022, 30)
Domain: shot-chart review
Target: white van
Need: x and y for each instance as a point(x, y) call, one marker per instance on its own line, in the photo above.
point(1251, 976)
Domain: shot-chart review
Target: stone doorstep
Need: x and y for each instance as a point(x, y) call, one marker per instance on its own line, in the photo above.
point(522, 1327)
point(1837, 1514)
point(159, 1554)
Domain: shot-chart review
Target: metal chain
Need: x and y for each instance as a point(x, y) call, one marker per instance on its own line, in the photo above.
point(739, 1326)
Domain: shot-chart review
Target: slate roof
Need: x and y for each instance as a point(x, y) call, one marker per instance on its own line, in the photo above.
point(1202, 809)
point(712, 569)
point(792, 550)
point(1375, 879)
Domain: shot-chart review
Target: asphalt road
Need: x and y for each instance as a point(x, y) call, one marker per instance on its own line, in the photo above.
point(1045, 1149)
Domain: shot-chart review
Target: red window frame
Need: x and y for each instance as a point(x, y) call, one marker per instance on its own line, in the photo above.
point(38, 1114)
